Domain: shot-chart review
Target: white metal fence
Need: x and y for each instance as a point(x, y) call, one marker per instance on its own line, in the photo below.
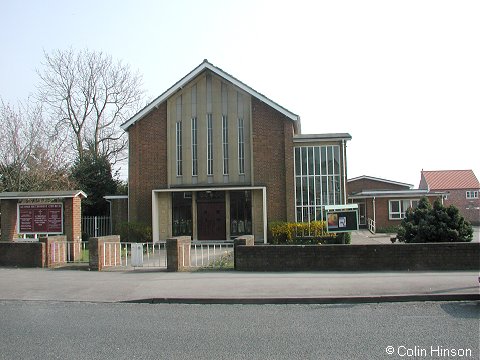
point(95, 226)
point(372, 226)
point(134, 255)
point(68, 252)
point(216, 255)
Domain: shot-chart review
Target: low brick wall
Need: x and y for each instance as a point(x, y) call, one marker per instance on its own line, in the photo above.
point(22, 254)
point(432, 256)
point(99, 251)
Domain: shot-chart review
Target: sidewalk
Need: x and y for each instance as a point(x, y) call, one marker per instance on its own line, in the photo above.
point(236, 287)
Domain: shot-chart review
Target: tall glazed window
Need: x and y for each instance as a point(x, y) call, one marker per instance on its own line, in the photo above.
point(225, 143)
point(317, 181)
point(209, 144)
point(194, 147)
point(178, 139)
point(241, 147)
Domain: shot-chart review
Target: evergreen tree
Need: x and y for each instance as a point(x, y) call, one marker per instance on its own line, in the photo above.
point(435, 223)
point(94, 176)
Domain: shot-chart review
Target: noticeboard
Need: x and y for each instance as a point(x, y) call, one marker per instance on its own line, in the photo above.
point(40, 218)
point(342, 220)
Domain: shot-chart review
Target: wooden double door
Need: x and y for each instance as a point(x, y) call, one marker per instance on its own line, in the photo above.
point(211, 220)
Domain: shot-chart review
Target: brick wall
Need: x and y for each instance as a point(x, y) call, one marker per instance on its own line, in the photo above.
point(119, 214)
point(22, 254)
point(273, 159)
point(469, 208)
point(147, 162)
point(389, 257)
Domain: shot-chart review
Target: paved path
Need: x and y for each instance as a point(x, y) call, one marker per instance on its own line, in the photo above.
point(236, 287)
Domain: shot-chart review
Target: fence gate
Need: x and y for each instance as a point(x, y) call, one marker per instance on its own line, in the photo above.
point(96, 226)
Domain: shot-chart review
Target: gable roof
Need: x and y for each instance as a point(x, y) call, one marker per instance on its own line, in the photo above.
point(450, 179)
point(366, 177)
point(205, 65)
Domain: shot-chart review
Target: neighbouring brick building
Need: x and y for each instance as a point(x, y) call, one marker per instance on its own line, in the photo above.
point(382, 203)
point(461, 187)
point(212, 158)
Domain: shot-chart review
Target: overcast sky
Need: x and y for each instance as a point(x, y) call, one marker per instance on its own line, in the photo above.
point(402, 77)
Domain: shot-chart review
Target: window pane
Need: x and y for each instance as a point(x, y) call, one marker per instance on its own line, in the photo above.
point(336, 160)
point(304, 161)
point(298, 189)
point(317, 160)
point(310, 161)
point(305, 190)
point(395, 206)
point(297, 162)
point(311, 191)
point(330, 160)
point(324, 160)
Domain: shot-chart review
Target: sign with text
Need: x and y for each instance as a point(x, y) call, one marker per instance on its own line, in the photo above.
point(40, 218)
point(342, 220)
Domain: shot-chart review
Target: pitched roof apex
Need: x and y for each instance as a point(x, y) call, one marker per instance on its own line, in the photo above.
point(194, 73)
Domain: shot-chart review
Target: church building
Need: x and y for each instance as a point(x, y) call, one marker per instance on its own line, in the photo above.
point(214, 159)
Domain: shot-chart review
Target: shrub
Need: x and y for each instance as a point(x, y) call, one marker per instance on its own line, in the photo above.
point(135, 232)
point(434, 224)
point(315, 232)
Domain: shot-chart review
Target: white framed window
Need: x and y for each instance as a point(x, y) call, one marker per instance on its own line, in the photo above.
point(397, 208)
point(194, 147)
point(178, 137)
point(225, 143)
point(472, 194)
point(209, 144)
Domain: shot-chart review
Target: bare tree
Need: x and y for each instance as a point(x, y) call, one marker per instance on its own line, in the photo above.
point(32, 156)
point(90, 95)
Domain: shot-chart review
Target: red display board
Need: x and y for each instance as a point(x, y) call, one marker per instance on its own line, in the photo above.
point(40, 218)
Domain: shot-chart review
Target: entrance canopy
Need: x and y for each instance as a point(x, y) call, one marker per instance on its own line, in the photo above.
point(162, 208)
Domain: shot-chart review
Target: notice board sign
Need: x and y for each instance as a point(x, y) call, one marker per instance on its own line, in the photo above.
point(342, 220)
point(40, 218)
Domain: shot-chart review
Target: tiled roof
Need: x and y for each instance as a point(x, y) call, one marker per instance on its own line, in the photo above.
point(451, 179)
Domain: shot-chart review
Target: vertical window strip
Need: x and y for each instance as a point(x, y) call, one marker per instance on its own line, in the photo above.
point(209, 145)
point(241, 147)
point(179, 147)
point(225, 143)
point(194, 147)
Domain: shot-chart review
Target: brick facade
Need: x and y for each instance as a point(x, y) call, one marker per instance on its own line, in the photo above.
point(9, 219)
point(272, 135)
point(469, 208)
point(147, 162)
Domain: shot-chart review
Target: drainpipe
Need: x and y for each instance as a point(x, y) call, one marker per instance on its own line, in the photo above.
point(111, 217)
point(374, 211)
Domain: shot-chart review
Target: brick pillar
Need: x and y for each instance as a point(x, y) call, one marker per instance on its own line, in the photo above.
point(178, 253)
point(104, 252)
point(9, 219)
point(72, 213)
point(245, 240)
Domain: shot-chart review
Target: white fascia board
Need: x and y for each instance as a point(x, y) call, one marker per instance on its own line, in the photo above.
point(190, 76)
point(237, 188)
